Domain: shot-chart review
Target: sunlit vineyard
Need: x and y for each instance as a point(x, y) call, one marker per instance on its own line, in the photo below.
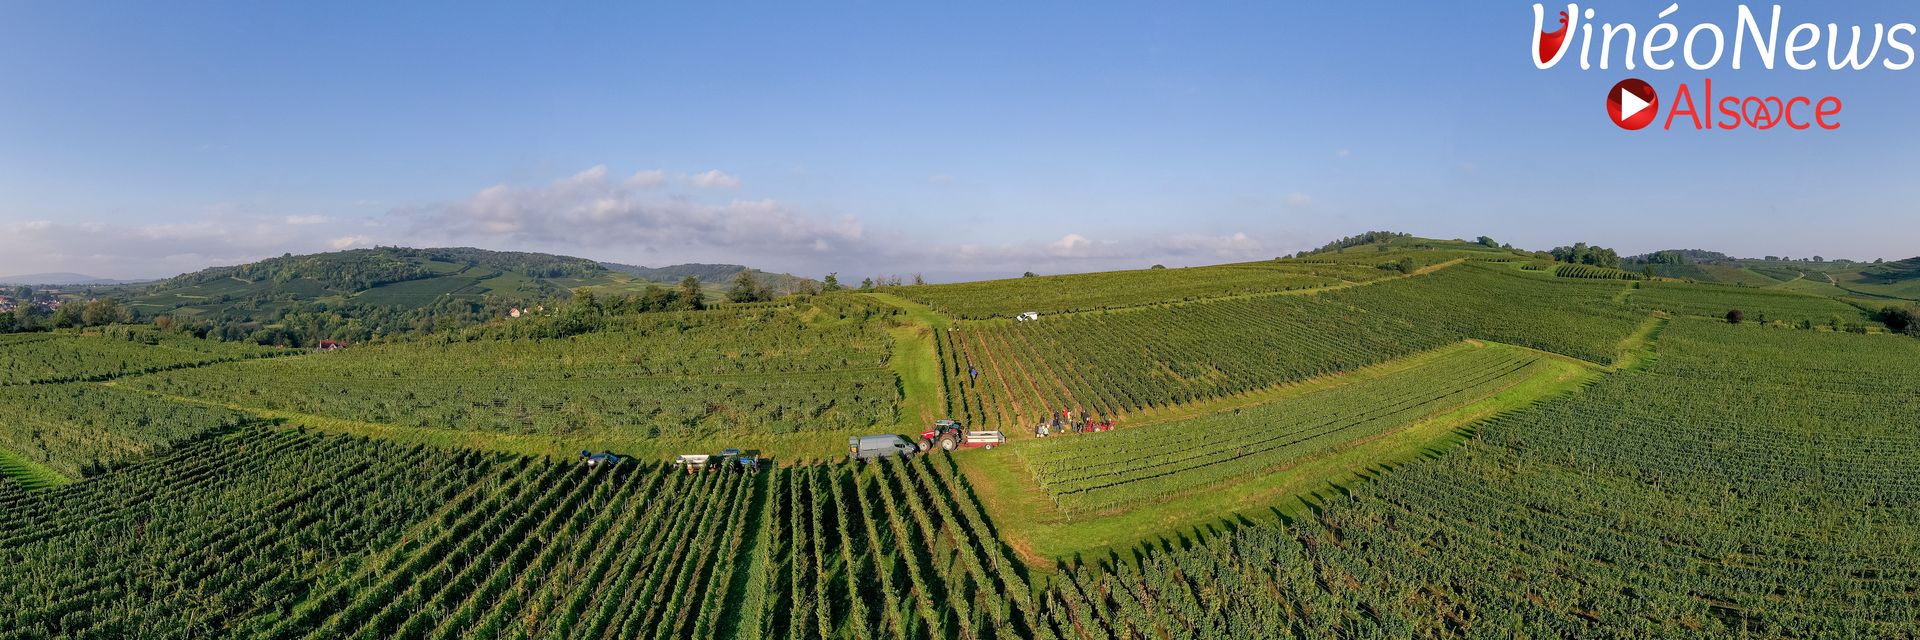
point(1590, 272)
point(1130, 466)
point(109, 353)
point(1124, 362)
point(1759, 305)
point(285, 534)
point(1647, 506)
point(1117, 289)
point(767, 369)
point(78, 428)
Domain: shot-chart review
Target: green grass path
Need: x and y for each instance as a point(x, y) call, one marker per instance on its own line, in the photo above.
point(916, 362)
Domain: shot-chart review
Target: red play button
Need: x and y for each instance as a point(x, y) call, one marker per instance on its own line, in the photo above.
point(1632, 104)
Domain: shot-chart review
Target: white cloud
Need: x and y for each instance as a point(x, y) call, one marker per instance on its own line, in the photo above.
point(647, 179)
point(940, 178)
point(1299, 200)
point(1343, 153)
point(121, 251)
point(306, 220)
point(350, 242)
point(587, 210)
point(714, 179)
point(1071, 244)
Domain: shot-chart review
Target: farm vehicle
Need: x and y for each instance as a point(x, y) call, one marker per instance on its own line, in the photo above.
point(726, 460)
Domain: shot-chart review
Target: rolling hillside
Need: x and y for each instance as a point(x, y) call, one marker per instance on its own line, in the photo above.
point(1394, 437)
point(366, 294)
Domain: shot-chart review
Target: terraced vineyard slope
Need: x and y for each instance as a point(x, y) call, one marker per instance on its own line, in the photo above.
point(1139, 465)
point(812, 367)
point(1791, 512)
point(1126, 362)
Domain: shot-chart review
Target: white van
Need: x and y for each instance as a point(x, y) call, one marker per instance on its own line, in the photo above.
point(876, 447)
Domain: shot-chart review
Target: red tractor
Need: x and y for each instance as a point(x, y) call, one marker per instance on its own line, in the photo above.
point(950, 435)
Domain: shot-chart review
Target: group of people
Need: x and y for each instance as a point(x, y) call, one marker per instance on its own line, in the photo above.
point(1064, 422)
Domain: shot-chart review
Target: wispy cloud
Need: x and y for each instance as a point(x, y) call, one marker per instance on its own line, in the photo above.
point(714, 179)
point(588, 210)
point(599, 214)
point(646, 179)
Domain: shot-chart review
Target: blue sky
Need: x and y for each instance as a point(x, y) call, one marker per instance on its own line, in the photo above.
point(958, 140)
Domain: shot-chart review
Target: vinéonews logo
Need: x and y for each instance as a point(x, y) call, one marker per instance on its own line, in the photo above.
point(1766, 39)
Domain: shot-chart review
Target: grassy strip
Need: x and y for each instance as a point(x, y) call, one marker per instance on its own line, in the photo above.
point(1637, 349)
point(916, 363)
point(28, 474)
point(1043, 535)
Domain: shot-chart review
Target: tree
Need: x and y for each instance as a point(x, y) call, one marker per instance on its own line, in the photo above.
point(745, 288)
point(1488, 242)
point(1736, 316)
point(104, 311)
point(831, 282)
point(1029, 274)
point(7, 323)
point(689, 295)
point(1649, 272)
point(1158, 267)
point(66, 316)
point(26, 317)
point(1898, 320)
point(917, 280)
point(866, 285)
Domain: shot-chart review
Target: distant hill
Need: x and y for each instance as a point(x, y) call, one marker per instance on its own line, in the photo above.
point(364, 294)
point(1897, 279)
point(1682, 256)
point(712, 275)
point(67, 279)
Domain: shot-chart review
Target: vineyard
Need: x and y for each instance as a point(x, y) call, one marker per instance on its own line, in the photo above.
point(1125, 362)
point(77, 428)
point(286, 534)
point(1759, 305)
point(1117, 289)
point(1590, 272)
point(1370, 441)
point(764, 369)
point(1133, 466)
point(112, 353)
point(1745, 522)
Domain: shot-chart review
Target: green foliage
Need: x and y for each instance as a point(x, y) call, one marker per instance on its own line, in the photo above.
point(1588, 272)
point(1713, 301)
point(80, 429)
point(395, 541)
point(1122, 362)
point(1118, 289)
point(744, 369)
point(1133, 466)
point(1717, 495)
point(109, 353)
point(1370, 237)
point(1580, 253)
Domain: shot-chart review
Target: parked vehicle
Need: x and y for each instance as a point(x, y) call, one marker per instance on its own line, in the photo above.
point(1030, 315)
point(591, 459)
point(949, 435)
point(878, 446)
point(728, 459)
